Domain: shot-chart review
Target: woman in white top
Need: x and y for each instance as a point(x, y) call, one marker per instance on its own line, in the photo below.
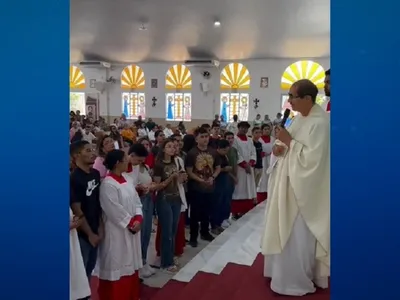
point(87, 135)
point(257, 121)
point(143, 131)
point(120, 255)
point(78, 282)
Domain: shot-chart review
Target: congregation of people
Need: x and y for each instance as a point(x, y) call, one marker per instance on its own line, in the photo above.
point(130, 175)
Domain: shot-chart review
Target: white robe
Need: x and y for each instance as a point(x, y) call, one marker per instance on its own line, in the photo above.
point(78, 281)
point(246, 186)
point(120, 252)
point(267, 149)
point(296, 240)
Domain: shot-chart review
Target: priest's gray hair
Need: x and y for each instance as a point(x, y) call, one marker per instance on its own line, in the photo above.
point(305, 88)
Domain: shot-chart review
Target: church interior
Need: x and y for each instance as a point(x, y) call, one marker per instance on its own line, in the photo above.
point(187, 61)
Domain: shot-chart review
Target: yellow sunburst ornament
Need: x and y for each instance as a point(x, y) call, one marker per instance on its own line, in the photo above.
point(178, 78)
point(76, 78)
point(235, 76)
point(132, 78)
point(305, 69)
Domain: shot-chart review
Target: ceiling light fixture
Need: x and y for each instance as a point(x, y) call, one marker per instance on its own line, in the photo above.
point(217, 24)
point(143, 27)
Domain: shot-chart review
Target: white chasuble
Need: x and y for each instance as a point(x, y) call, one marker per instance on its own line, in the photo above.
point(298, 208)
point(246, 186)
point(120, 251)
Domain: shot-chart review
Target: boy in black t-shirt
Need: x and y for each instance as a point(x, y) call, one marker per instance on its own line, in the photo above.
point(85, 202)
point(202, 166)
point(214, 137)
point(258, 167)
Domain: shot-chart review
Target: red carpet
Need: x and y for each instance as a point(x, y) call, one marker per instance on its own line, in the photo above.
point(146, 292)
point(236, 282)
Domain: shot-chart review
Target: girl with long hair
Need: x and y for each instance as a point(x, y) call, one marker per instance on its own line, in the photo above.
point(105, 144)
point(168, 201)
point(120, 255)
point(116, 136)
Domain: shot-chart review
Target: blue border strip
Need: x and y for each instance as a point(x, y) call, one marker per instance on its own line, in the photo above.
point(34, 221)
point(365, 150)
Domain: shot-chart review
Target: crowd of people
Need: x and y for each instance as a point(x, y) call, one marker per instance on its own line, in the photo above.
point(128, 176)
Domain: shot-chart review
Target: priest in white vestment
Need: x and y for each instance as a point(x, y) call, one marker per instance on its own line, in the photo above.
point(120, 255)
point(266, 142)
point(245, 193)
point(296, 240)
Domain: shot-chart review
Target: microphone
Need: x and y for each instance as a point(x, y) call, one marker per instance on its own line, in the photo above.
point(286, 115)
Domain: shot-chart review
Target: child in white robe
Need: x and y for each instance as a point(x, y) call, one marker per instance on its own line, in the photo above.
point(120, 254)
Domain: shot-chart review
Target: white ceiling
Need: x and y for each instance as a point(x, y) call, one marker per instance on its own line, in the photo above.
point(177, 30)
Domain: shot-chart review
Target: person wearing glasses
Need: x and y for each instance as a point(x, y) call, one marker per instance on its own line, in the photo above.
point(296, 239)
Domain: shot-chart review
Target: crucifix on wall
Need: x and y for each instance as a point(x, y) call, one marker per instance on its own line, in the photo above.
point(256, 101)
point(235, 101)
point(178, 103)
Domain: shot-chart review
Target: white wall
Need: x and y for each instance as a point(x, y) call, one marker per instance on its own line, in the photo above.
point(203, 106)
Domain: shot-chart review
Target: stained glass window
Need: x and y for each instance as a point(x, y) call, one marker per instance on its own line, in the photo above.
point(179, 107)
point(76, 78)
point(178, 103)
point(235, 80)
point(133, 105)
point(77, 82)
point(305, 69)
point(133, 101)
point(77, 102)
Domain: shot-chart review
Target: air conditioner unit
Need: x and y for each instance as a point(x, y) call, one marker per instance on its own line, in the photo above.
point(202, 63)
point(95, 64)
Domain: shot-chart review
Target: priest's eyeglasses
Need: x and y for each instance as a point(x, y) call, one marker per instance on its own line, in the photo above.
point(291, 97)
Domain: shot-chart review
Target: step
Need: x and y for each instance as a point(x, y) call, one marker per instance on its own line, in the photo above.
point(200, 282)
point(226, 284)
point(146, 292)
point(242, 247)
point(170, 290)
point(218, 253)
point(257, 287)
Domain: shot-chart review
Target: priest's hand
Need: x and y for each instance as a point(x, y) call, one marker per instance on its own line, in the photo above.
point(278, 150)
point(284, 136)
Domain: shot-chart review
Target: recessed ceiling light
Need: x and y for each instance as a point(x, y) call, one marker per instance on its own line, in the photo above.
point(217, 23)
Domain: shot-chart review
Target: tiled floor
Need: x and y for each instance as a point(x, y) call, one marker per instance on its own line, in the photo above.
point(160, 278)
point(239, 244)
